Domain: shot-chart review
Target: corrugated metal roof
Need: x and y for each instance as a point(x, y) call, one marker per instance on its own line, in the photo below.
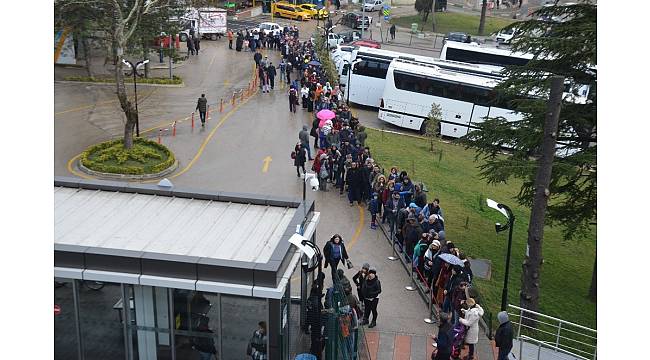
point(168, 225)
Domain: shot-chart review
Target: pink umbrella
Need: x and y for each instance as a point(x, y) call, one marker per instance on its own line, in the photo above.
point(325, 115)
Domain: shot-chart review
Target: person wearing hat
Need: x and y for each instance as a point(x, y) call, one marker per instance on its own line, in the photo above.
point(471, 318)
point(411, 234)
point(370, 289)
point(431, 262)
point(360, 277)
point(334, 251)
point(504, 335)
point(444, 339)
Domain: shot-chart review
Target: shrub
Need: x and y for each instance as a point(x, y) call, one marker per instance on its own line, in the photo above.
point(111, 157)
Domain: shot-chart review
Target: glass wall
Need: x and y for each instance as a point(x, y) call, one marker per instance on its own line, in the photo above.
point(240, 318)
point(65, 335)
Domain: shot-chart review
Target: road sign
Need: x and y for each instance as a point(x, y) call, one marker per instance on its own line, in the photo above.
point(386, 10)
point(57, 309)
point(386, 17)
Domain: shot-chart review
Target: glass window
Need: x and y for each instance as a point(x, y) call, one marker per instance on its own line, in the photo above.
point(65, 335)
point(240, 319)
point(434, 87)
point(372, 68)
point(476, 57)
point(197, 321)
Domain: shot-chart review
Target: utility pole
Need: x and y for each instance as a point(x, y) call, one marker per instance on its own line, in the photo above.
point(433, 16)
point(363, 16)
point(530, 277)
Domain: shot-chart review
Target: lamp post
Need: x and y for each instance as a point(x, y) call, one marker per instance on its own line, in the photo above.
point(505, 210)
point(135, 73)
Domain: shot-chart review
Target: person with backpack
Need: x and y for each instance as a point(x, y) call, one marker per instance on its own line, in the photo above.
point(257, 345)
point(334, 251)
point(293, 99)
point(202, 107)
point(299, 158)
point(204, 345)
point(370, 289)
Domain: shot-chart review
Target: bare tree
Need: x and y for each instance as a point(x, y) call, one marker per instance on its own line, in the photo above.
point(432, 124)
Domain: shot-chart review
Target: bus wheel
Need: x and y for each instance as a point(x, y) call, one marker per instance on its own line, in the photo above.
point(213, 37)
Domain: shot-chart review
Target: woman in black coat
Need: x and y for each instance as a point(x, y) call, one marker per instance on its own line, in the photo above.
point(370, 289)
point(300, 159)
point(334, 251)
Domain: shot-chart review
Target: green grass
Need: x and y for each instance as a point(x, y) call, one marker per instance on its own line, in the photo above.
point(451, 21)
point(145, 157)
point(566, 273)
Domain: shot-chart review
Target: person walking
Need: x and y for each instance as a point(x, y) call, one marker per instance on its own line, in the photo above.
point(470, 320)
point(334, 251)
point(293, 100)
point(204, 345)
point(282, 67)
point(360, 277)
point(503, 336)
point(257, 57)
point(202, 107)
point(257, 345)
point(392, 30)
point(443, 339)
point(190, 45)
point(197, 46)
point(271, 72)
point(230, 37)
point(303, 135)
point(370, 289)
point(299, 158)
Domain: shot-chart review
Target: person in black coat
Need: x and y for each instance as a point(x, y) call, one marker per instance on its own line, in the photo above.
point(190, 45)
point(204, 345)
point(334, 251)
point(258, 58)
point(503, 336)
point(354, 180)
point(370, 290)
point(300, 158)
point(360, 277)
point(270, 70)
point(197, 46)
point(444, 339)
point(202, 107)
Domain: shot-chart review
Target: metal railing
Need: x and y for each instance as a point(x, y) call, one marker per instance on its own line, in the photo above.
point(552, 351)
point(561, 335)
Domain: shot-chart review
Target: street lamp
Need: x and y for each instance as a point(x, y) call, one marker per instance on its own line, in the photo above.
point(505, 210)
point(135, 73)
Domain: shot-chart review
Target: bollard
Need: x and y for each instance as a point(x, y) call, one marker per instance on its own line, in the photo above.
point(174, 129)
point(178, 42)
point(242, 96)
point(159, 135)
point(392, 238)
point(207, 114)
point(430, 319)
point(221, 106)
point(233, 99)
point(192, 120)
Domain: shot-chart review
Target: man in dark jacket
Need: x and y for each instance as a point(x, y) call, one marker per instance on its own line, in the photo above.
point(503, 336)
point(444, 339)
point(411, 234)
point(392, 207)
point(354, 180)
point(303, 135)
point(270, 70)
point(370, 289)
point(202, 107)
point(197, 46)
point(204, 345)
point(190, 45)
point(257, 57)
point(360, 277)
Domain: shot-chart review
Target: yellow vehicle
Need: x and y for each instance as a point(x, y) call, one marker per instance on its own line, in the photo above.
point(289, 11)
point(313, 10)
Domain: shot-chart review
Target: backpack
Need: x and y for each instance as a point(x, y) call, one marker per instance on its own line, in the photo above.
point(293, 155)
point(323, 171)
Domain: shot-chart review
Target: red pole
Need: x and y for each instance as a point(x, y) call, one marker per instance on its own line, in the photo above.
point(174, 129)
point(233, 99)
point(178, 41)
point(242, 96)
point(207, 114)
point(159, 135)
point(221, 106)
point(192, 120)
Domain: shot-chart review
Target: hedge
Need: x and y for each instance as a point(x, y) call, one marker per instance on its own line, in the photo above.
point(140, 152)
point(176, 80)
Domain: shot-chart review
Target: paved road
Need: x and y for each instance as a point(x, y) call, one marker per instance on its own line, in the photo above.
point(229, 155)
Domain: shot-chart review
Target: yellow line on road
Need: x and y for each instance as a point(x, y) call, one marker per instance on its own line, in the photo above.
point(267, 162)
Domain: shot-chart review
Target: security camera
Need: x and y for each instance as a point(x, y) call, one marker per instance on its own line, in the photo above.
point(299, 241)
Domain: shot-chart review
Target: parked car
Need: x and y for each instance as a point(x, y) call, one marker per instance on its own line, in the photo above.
point(354, 20)
point(289, 11)
point(504, 36)
point(367, 43)
point(350, 36)
point(315, 11)
point(373, 5)
point(457, 36)
point(334, 40)
point(269, 28)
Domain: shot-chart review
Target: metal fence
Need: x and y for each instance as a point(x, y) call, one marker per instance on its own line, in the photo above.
point(553, 333)
point(345, 337)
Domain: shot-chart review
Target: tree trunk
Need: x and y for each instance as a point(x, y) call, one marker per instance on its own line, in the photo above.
point(84, 44)
point(530, 277)
point(425, 17)
point(481, 24)
point(127, 106)
point(592, 289)
point(433, 17)
point(145, 56)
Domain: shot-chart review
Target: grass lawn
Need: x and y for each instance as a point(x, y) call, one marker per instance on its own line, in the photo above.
point(451, 21)
point(566, 274)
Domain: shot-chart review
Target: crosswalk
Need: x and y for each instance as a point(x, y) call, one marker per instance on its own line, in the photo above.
point(397, 346)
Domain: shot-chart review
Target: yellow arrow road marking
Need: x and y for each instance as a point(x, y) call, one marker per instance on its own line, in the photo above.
point(267, 161)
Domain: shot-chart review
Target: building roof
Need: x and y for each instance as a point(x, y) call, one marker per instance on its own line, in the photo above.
point(168, 225)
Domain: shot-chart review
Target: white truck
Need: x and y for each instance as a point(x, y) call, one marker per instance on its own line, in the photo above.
point(209, 23)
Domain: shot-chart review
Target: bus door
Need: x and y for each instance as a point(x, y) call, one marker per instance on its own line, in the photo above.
point(478, 115)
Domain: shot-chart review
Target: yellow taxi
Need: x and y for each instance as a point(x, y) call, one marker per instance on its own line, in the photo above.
point(289, 11)
point(313, 10)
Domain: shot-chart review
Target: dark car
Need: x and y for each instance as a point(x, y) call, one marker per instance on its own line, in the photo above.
point(354, 20)
point(350, 36)
point(457, 36)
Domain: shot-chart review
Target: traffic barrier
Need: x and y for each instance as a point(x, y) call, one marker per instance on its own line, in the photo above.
point(221, 105)
point(174, 129)
point(192, 120)
point(233, 99)
point(159, 136)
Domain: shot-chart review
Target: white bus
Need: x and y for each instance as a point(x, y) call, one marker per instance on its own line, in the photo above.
point(465, 99)
point(368, 76)
point(481, 55)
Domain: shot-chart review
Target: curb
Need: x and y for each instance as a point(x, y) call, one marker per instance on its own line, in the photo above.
point(167, 171)
point(112, 83)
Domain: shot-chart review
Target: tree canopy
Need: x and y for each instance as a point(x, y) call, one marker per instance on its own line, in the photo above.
point(563, 42)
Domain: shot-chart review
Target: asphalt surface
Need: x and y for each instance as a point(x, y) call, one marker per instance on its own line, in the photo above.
point(229, 154)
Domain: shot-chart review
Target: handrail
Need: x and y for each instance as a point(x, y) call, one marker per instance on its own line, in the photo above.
point(543, 344)
point(553, 318)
